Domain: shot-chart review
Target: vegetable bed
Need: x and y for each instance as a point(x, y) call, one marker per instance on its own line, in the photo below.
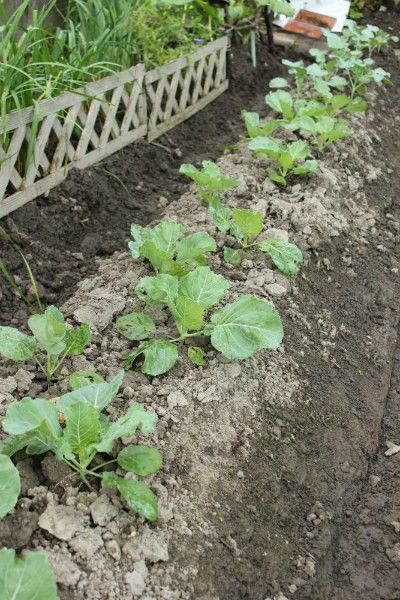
point(263, 459)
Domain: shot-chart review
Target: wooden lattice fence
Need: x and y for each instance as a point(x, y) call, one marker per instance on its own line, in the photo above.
point(78, 129)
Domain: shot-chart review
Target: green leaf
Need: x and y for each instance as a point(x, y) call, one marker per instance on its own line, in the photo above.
point(161, 261)
point(82, 428)
point(266, 147)
point(159, 357)
point(141, 460)
point(161, 289)
point(136, 417)
point(77, 339)
point(203, 286)
point(137, 495)
point(139, 234)
point(278, 82)
point(309, 166)
point(299, 150)
point(28, 577)
point(135, 326)
point(240, 329)
point(220, 214)
point(28, 414)
point(274, 176)
point(16, 345)
point(287, 257)
point(81, 379)
point(195, 246)
point(281, 102)
point(10, 485)
point(197, 356)
point(165, 235)
point(49, 330)
point(256, 128)
point(98, 395)
point(249, 221)
point(232, 257)
point(210, 179)
point(188, 315)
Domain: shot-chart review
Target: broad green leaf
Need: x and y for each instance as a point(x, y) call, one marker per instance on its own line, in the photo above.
point(197, 356)
point(299, 150)
point(28, 577)
point(188, 315)
point(240, 329)
point(77, 339)
point(135, 326)
point(210, 178)
point(220, 214)
point(315, 70)
point(137, 495)
point(194, 246)
point(141, 460)
point(357, 105)
point(265, 146)
point(28, 414)
point(309, 166)
point(278, 82)
point(10, 485)
point(203, 286)
point(287, 257)
point(139, 234)
point(249, 221)
point(256, 128)
point(276, 177)
point(136, 417)
point(159, 357)
point(81, 379)
point(82, 428)
point(165, 235)
point(232, 256)
point(41, 440)
point(16, 345)
point(160, 260)
point(281, 102)
point(161, 289)
point(98, 395)
point(49, 330)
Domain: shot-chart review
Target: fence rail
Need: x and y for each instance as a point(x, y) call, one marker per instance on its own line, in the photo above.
point(77, 129)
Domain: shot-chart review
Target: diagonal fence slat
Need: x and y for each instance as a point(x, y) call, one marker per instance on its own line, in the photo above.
point(77, 129)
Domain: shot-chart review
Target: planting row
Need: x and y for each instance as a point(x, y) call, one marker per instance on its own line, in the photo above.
point(74, 427)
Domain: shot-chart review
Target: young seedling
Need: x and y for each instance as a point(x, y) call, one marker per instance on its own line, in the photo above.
point(368, 37)
point(255, 127)
point(322, 130)
point(289, 158)
point(26, 577)
point(209, 179)
point(246, 226)
point(237, 330)
point(52, 337)
point(167, 250)
point(34, 425)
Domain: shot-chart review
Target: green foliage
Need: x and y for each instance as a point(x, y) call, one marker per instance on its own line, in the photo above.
point(289, 158)
point(26, 577)
point(51, 337)
point(232, 256)
point(322, 130)
point(286, 257)
point(209, 179)
point(34, 424)
point(10, 485)
point(257, 128)
point(83, 378)
point(167, 250)
point(187, 300)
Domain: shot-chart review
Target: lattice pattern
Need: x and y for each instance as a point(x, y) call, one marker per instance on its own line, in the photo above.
point(80, 128)
point(178, 90)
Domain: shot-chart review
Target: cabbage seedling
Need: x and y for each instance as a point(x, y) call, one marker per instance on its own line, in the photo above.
point(167, 250)
point(209, 179)
point(322, 130)
point(237, 330)
point(289, 158)
point(52, 337)
point(34, 425)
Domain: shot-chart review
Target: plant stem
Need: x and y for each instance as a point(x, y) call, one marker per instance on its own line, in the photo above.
point(109, 462)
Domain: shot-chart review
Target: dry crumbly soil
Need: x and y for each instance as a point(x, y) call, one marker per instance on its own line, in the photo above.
point(276, 484)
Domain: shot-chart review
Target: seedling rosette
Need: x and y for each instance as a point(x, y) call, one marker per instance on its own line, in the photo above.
point(210, 181)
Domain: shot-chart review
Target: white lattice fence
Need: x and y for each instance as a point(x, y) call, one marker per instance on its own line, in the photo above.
point(179, 89)
point(77, 129)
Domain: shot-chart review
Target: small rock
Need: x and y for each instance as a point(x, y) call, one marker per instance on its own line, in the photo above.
point(24, 380)
point(66, 571)
point(54, 470)
point(17, 529)
point(207, 395)
point(274, 289)
point(86, 544)
point(392, 449)
point(61, 521)
point(276, 234)
point(232, 370)
point(29, 478)
point(374, 480)
point(176, 399)
point(103, 510)
point(268, 186)
point(150, 546)
point(137, 579)
point(113, 549)
point(393, 553)
point(8, 385)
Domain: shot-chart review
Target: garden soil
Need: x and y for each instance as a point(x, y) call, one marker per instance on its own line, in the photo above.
point(281, 475)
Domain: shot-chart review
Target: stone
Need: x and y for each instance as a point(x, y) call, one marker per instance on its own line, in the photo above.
point(276, 234)
point(113, 549)
point(393, 553)
point(149, 546)
point(136, 579)
point(17, 529)
point(100, 309)
point(54, 470)
point(8, 385)
point(86, 544)
point(24, 380)
point(274, 289)
point(176, 399)
point(65, 570)
point(62, 521)
point(103, 510)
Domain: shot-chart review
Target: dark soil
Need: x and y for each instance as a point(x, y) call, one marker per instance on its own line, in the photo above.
point(89, 215)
